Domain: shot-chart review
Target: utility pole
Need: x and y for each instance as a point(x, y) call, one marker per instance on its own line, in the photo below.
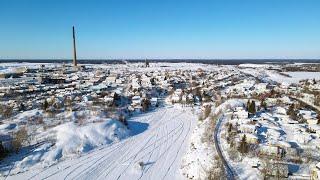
point(74, 48)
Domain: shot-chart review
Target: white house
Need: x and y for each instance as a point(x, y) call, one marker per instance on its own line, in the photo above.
point(241, 114)
point(136, 100)
point(154, 101)
point(247, 128)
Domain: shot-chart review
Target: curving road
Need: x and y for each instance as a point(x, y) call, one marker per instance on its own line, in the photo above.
point(230, 173)
point(159, 145)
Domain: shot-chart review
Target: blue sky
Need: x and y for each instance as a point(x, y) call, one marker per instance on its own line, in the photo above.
point(160, 28)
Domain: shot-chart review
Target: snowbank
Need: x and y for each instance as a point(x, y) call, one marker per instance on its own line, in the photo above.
point(72, 140)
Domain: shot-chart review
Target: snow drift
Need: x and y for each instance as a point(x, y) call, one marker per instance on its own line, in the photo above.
point(70, 140)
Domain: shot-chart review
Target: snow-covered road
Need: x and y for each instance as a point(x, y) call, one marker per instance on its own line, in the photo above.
point(159, 141)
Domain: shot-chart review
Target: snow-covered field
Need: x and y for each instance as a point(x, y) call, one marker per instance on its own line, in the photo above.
point(297, 76)
point(153, 151)
point(273, 75)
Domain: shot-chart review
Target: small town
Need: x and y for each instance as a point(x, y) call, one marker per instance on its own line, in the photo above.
point(159, 90)
point(260, 120)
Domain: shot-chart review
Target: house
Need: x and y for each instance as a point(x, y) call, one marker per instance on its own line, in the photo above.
point(177, 95)
point(271, 101)
point(119, 81)
point(247, 128)
point(250, 138)
point(260, 88)
point(178, 92)
point(278, 169)
point(190, 97)
point(111, 79)
point(270, 150)
point(138, 109)
point(309, 116)
point(146, 81)
point(136, 100)
point(314, 128)
point(154, 101)
point(205, 106)
point(175, 98)
point(135, 84)
point(315, 172)
point(240, 114)
point(135, 109)
point(312, 120)
point(108, 100)
point(308, 97)
point(280, 110)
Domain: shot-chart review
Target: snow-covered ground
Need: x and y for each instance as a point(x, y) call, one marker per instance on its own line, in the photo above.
point(242, 168)
point(273, 75)
point(199, 157)
point(153, 151)
point(297, 76)
point(167, 143)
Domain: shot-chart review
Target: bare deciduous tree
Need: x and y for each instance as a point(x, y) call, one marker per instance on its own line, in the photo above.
point(19, 138)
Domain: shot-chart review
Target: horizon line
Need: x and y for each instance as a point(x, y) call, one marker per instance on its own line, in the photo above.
point(103, 59)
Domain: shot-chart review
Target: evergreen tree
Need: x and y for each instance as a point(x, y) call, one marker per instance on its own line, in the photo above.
point(244, 147)
point(248, 105)
point(3, 151)
point(22, 107)
point(153, 82)
point(229, 128)
point(263, 104)
point(252, 107)
point(45, 105)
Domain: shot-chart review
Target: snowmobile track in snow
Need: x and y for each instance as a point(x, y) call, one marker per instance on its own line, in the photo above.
point(159, 148)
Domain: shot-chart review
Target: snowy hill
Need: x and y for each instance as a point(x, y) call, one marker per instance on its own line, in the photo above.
point(153, 151)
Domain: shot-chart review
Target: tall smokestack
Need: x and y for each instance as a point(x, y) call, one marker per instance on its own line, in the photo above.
point(74, 48)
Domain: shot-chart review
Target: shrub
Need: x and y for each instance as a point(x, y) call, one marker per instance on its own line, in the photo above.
point(19, 138)
point(141, 164)
point(68, 102)
point(6, 111)
point(234, 154)
point(207, 112)
point(122, 118)
point(200, 117)
point(217, 172)
point(81, 118)
point(3, 151)
point(145, 104)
